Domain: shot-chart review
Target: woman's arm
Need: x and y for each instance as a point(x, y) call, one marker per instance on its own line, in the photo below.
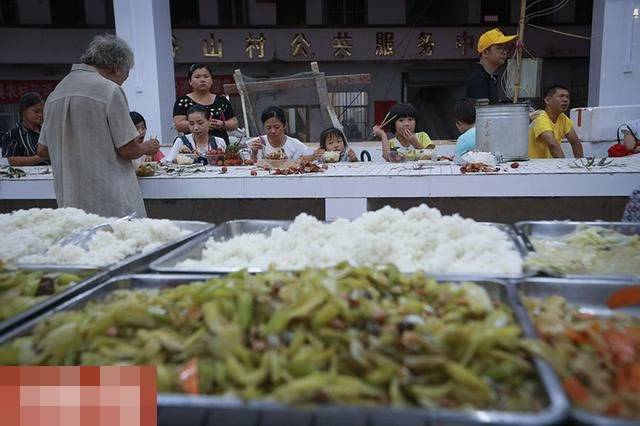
point(25, 161)
point(42, 151)
point(231, 124)
point(181, 123)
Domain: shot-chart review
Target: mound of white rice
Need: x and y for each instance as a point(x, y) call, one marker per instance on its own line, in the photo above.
point(29, 236)
point(479, 157)
point(419, 239)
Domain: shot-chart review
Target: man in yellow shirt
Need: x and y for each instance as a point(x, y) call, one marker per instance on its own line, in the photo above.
point(552, 126)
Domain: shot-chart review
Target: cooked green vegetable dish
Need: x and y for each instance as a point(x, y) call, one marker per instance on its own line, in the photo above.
point(587, 250)
point(342, 335)
point(19, 290)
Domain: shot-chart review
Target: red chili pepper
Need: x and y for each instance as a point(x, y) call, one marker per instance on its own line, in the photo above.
point(624, 297)
point(189, 377)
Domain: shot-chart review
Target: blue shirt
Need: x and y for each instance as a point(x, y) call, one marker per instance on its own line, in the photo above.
point(466, 142)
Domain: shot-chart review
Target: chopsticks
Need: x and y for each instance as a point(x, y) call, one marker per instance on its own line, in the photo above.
point(385, 121)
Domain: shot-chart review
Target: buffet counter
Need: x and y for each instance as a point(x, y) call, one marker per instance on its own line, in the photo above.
point(347, 187)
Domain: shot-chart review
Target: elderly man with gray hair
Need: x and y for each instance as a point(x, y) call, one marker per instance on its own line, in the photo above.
point(89, 136)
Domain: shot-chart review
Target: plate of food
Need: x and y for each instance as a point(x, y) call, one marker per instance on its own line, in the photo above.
point(279, 163)
point(276, 154)
point(185, 159)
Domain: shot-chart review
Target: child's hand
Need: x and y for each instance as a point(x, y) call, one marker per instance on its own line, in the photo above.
point(351, 155)
point(185, 150)
point(379, 131)
point(407, 134)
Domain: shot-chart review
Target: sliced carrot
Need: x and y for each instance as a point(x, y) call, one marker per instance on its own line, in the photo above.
point(576, 336)
point(576, 390)
point(624, 297)
point(194, 312)
point(620, 345)
point(189, 377)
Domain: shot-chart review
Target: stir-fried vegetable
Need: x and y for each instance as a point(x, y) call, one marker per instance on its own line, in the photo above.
point(19, 290)
point(588, 250)
point(342, 335)
point(597, 358)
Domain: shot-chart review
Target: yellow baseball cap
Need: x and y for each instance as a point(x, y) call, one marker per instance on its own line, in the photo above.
point(492, 37)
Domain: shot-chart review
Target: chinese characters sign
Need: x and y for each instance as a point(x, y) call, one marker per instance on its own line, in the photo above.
point(325, 44)
point(12, 90)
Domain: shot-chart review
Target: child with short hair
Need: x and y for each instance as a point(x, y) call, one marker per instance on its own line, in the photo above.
point(464, 112)
point(333, 140)
point(141, 127)
point(403, 126)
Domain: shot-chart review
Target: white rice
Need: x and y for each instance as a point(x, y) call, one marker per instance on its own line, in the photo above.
point(28, 236)
point(419, 239)
point(479, 157)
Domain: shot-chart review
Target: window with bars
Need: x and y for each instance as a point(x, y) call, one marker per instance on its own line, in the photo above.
point(352, 109)
point(233, 12)
point(345, 12)
point(8, 12)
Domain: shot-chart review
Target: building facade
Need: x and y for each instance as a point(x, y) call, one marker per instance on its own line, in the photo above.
point(417, 51)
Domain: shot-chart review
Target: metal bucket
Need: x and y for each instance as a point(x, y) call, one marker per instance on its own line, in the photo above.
point(503, 130)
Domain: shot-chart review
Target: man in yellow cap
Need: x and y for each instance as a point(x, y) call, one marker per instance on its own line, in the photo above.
point(493, 47)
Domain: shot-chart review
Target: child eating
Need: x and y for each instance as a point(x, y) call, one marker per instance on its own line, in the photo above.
point(333, 140)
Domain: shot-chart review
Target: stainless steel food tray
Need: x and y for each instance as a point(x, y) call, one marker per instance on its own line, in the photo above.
point(589, 296)
point(136, 263)
point(227, 230)
point(215, 410)
point(557, 229)
point(195, 227)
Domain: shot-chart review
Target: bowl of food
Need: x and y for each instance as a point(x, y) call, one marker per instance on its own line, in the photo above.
point(425, 154)
point(215, 156)
point(146, 169)
point(276, 154)
point(185, 159)
point(331, 157)
point(411, 155)
point(397, 157)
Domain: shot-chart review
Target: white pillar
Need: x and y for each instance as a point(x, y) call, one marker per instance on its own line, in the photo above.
point(150, 88)
point(614, 69)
